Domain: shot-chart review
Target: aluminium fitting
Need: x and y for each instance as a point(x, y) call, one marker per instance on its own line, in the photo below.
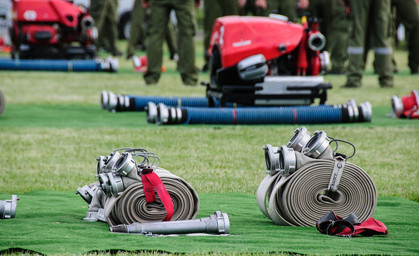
point(8, 208)
point(299, 139)
point(218, 223)
point(104, 100)
point(86, 193)
point(317, 144)
point(110, 161)
point(271, 159)
point(125, 164)
point(287, 160)
point(151, 111)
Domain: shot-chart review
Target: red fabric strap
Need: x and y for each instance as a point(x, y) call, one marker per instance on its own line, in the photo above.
point(152, 181)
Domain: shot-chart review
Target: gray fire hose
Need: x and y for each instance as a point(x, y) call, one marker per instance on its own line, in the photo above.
point(301, 187)
point(218, 223)
point(8, 208)
point(119, 198)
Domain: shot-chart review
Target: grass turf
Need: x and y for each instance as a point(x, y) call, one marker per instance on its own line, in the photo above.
point(53, 129)
point(51, 223)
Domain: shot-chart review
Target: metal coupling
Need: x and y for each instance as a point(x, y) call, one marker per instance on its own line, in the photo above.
point(317, 144)
point(86, 193)
point(218, 223)
point(104, 100)
point(110, 161)
point(299, 139)
point(271, 159)
point(365, 110)
point(151, 111)
point(316, 41)
point(8, 208)
point(287, 161)
point(125, 164)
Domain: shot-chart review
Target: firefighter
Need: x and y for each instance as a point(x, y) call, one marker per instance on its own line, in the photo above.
point(338, 37)
point(372, 16)
point(408, 13)
point(159, 18)
point(137, 33)
point(104, 12)
point(284, 7)
point(212, 10)
point(255, 7)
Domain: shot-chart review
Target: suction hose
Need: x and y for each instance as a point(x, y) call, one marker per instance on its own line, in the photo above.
point(162, 114)
point(118, 103)
point(109, 65)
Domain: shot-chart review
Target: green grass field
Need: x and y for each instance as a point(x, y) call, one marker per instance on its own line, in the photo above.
point(53, 129)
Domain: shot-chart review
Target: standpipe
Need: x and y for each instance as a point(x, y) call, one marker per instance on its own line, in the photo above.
point(301, 187)
point(218, 223)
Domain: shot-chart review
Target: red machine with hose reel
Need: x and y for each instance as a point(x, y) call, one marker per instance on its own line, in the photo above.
point(245, 50)
point(51, 29)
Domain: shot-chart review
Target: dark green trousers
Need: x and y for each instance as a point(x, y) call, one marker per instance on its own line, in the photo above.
point(104, 12)
point(284, 7)
point(159, 18)
point(212, 10)
point(370, 18)
point(338, 37)
point(408, 13)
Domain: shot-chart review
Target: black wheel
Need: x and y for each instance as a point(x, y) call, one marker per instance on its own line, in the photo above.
point(124, 26)
point(2, 103)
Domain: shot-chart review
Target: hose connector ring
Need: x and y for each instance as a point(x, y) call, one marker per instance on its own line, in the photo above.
point(300, 139)
point(287, 160)
point(271, 159)
point(317, 144)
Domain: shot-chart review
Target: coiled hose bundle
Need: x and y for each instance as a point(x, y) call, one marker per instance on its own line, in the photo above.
point(349, 112)
point(129, 190)
point(306, 180)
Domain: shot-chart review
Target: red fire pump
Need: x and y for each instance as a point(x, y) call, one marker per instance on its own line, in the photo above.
point(267, 61)
point(51, 29)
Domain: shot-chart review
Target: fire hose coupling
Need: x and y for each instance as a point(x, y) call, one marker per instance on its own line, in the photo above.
point(317, 145)
point(87, 193)
point(299, 139)
point(353, 113)
point(316, 41)
point(218, 223)
point(8, 208)
point(169, 115)
point(407, 106)
point(151, 111)
point(271, 159)
point(110, 64)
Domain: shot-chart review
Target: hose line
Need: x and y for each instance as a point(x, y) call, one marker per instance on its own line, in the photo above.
point(302, 198)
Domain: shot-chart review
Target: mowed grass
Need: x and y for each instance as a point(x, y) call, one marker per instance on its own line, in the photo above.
point(213, 158)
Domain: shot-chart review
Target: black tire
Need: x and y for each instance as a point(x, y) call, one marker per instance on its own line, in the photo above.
point(124, 25)
point(2, 103)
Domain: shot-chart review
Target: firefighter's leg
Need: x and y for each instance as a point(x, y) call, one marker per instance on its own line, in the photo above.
point(186, 32)
point(338, 39)
point(381, 32)
point(136, 30)
point(356, 48)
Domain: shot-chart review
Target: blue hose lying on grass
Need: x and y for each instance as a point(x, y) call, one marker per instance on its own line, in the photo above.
point(347, 113)
point(90, 65)
point(119, 103)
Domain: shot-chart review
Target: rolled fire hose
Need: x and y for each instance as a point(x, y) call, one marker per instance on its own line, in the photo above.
point(218, 223)
point(91, 65)
point(162, 114)
point(301, 188)
point(8, 208)
point(131, 205)
point(119, 197)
